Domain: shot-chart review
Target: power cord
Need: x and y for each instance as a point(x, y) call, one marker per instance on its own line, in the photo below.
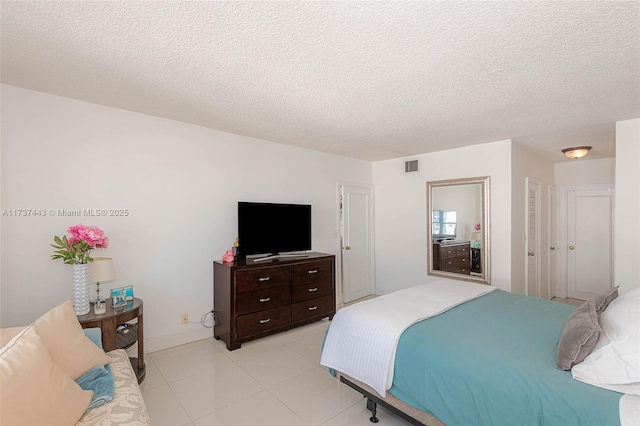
point(206, 318)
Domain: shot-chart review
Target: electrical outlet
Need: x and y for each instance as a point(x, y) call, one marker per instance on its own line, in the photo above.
point(185, 319)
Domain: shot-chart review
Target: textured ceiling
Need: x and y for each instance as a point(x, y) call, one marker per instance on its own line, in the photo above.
point(370, 80)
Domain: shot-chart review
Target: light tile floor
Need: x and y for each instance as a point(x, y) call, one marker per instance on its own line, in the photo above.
point(276, 380)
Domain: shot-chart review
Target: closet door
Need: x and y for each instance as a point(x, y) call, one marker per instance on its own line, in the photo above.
point(532, 255)
point(589, 248)
point(357, 242)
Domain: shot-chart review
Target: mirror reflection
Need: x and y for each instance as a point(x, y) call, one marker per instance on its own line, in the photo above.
point(459, 220)
point(444, 224)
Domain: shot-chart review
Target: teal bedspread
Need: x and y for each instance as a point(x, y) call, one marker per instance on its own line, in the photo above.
point(491, 361)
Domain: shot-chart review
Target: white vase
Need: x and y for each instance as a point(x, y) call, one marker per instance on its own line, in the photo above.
point(81, 303)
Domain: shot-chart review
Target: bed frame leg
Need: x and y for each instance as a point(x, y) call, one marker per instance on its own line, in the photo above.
point(372, 406)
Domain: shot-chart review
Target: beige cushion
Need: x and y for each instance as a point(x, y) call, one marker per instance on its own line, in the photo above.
point(35, 391)
point(6, 334)
point(579, 336)
point(68, 346)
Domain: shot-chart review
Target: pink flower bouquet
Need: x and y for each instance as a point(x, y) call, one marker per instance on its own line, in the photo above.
point(75, 249)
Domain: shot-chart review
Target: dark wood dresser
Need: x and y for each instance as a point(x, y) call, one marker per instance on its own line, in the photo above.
point(453, 257)
point(255, 299)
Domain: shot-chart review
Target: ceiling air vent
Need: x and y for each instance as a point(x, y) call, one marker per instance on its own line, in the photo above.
point(411, 166)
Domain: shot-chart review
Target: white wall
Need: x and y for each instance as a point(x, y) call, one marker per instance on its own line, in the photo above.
point(585, 172)
point(526, 163)
point(401, 211)
point(627, 205)
point(180, 184)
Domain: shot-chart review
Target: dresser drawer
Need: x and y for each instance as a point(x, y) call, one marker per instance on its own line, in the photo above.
point(311, 290)
point(262, 278)
point(463, 270)
point(310, 272)
point(449, 251)
point(456, 262)
point(459, 265)
point(463, 250)
point(311, 308)
point(263, 321)
point(259, 300)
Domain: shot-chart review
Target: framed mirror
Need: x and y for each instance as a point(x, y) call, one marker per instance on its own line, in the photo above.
point(458, 229)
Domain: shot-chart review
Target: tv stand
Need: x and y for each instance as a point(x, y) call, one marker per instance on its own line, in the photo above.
point(280, 256)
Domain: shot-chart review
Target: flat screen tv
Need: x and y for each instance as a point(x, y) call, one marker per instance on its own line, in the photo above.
point(271, 229)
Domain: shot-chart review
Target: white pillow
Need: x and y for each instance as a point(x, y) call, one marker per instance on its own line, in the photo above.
point(622, 316)
point(614, 323)
point(615, 362)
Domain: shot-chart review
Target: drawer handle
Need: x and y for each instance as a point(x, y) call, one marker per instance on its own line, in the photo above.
point(313, 289)
point(313, 308)
point(315, 271)
point(265, 321)
point(263, 279)
point(266, 299)
point(464, 260)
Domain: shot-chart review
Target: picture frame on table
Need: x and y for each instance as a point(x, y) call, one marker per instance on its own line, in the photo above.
point(118, 297)
point(128, 290)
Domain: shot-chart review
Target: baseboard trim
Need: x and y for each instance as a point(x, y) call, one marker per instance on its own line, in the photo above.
point(171, 340)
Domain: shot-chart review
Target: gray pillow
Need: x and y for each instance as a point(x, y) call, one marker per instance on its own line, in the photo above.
point(580, 334)
point(603, 300)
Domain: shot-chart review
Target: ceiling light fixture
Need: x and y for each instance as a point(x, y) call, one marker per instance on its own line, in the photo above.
point(576, 152)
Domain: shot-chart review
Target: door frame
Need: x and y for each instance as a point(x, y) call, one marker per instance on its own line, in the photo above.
point(527, 182)
point(552, 195)
point(563, 199)
point(339, 239)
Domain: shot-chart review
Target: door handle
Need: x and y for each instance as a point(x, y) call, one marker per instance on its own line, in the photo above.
point(531, 253)
point(571, 247)
point(552, 248)
point(347, 248)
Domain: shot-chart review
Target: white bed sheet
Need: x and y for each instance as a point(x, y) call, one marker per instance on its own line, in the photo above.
point(362, 339)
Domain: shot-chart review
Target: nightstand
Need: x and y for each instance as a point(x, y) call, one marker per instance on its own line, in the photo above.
point(108, 322)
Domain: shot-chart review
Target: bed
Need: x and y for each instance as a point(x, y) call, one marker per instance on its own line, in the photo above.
point(483, 356)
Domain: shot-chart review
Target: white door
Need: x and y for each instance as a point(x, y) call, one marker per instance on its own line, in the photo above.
point(532, 229)
point(357, 242)
point(589, 242)
point(553, 242)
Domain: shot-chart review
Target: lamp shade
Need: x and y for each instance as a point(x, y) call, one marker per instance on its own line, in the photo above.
point(101, 270)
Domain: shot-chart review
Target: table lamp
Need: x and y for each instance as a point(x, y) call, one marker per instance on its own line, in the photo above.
point(476, 238)
point(101, 270)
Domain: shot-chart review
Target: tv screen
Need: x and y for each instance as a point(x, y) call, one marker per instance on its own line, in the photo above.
point(269, 228)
